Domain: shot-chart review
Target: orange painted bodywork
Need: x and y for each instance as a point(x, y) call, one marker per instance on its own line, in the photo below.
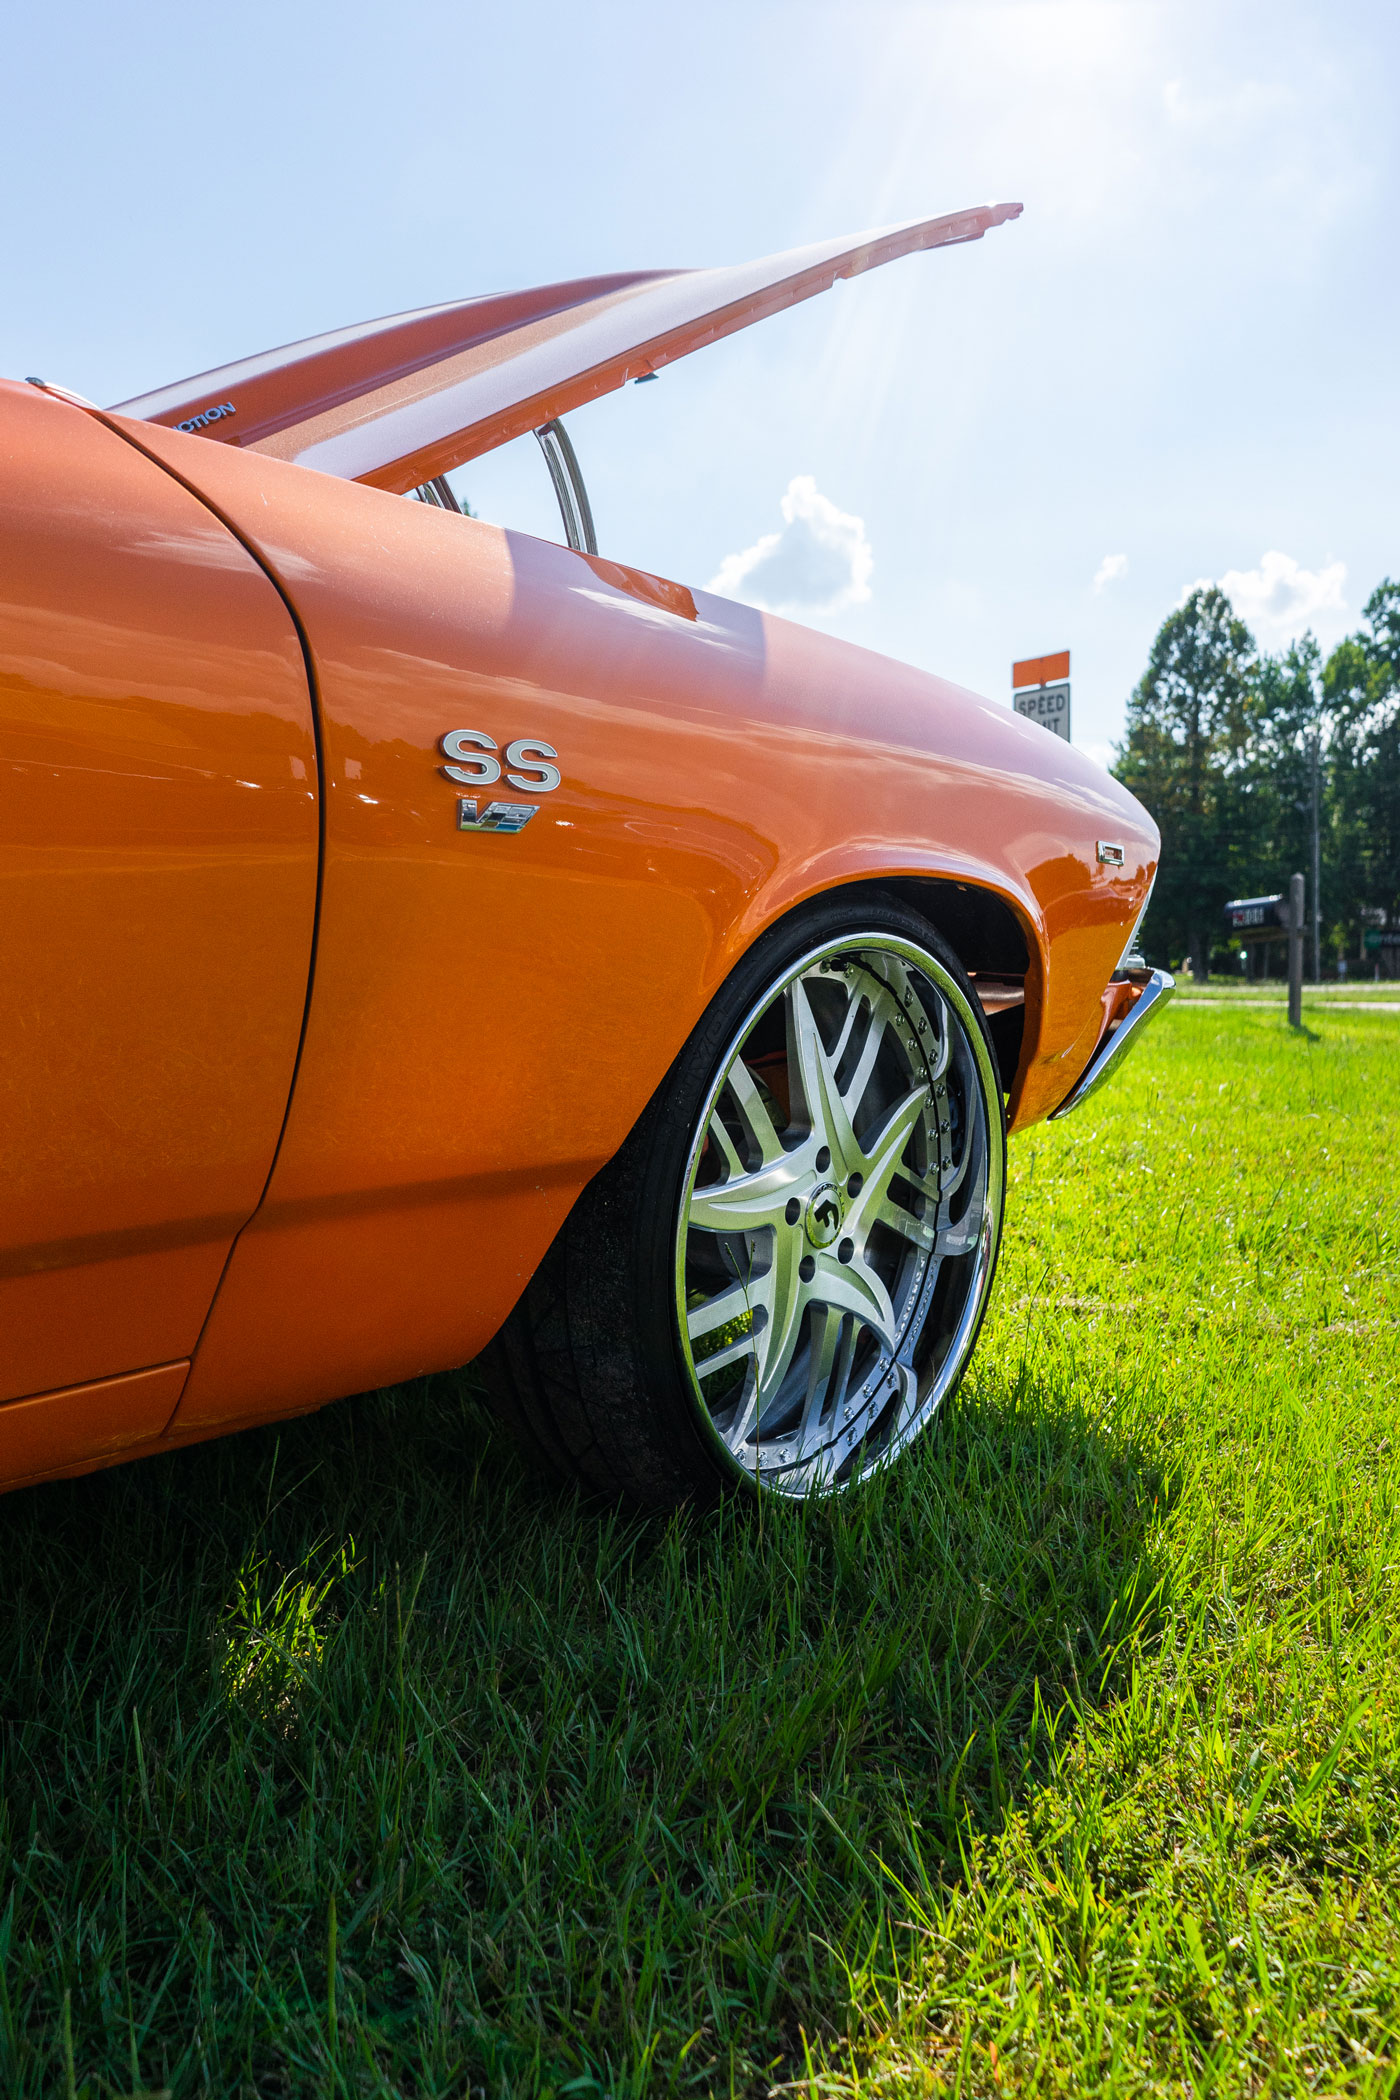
point(395, 401)
point(306, 1179)
point(158, 866)
point(491, 1012)
point(87, 1426)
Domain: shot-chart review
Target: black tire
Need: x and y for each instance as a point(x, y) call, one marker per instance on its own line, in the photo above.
point(593, 1371)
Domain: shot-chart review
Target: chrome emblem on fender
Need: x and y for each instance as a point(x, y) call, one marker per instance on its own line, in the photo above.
point(1110, 854)
point(497, 816)
point(473, 762)
point(477, 766)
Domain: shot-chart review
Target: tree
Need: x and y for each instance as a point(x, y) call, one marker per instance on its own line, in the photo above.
point(1185, 756)
point(1361, 683)
point(1288, 768)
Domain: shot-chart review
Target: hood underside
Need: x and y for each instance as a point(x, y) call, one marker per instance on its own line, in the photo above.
point(397, 401)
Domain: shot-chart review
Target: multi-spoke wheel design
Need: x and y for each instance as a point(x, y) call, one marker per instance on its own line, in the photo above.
point(782, 1274)
point(839, 1215)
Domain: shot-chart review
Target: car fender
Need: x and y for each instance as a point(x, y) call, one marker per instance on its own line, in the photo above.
point(491, 1010)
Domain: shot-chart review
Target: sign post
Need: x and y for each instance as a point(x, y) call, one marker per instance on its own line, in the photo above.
point(1295, 951)
point(1040, 691)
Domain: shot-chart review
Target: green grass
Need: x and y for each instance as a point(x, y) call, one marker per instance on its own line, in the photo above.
point(1234, 991)
point(1066, 1758)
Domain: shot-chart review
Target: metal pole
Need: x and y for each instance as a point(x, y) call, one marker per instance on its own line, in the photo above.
point(1316, 864)
point(1296, 922)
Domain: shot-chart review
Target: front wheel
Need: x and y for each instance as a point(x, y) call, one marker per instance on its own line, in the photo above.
point(782, 1274)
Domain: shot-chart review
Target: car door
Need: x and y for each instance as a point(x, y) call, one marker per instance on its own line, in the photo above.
point(158, 868)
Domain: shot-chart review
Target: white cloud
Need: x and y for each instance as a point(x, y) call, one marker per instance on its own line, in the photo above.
point(819, 563)
point(1280, 599)
point(1110, 569)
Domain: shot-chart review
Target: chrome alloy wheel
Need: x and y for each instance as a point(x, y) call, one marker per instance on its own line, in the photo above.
point(839, 1215)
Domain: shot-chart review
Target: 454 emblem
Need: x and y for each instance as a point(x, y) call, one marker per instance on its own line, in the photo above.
point(473, 762)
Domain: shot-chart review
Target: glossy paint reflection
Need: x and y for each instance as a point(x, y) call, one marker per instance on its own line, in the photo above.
point(491, 1012)
point(157, 883)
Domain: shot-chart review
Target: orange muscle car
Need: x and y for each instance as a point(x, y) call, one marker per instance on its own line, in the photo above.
point(423, 939)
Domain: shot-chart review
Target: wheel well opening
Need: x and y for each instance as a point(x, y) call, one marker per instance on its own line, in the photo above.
point(989, 941)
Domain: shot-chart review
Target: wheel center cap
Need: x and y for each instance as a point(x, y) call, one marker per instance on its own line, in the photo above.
point(822, 1219)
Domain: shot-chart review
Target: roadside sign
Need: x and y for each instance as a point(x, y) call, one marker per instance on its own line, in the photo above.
point(1040, 691)
point(1046, 704)
point(1258, 918)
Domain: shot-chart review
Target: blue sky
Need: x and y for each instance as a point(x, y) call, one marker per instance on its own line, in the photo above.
point(1180, 363)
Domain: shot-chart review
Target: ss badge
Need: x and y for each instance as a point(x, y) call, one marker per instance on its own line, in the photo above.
point(474, 764)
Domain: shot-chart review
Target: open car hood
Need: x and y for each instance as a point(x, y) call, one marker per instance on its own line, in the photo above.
point(397, 401)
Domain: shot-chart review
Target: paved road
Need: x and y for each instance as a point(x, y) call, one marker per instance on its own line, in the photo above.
point(1314, 1006)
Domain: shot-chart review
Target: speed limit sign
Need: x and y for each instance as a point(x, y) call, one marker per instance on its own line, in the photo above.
point(1040, 691)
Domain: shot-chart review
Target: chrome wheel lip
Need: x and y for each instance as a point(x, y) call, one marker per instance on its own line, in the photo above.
point(921, 1403)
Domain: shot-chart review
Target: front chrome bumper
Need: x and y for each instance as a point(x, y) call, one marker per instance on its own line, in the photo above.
point(1157, 987)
